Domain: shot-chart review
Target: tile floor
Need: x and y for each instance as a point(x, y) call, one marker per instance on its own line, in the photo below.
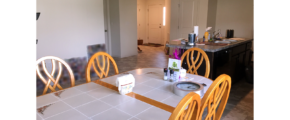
point(240, 102)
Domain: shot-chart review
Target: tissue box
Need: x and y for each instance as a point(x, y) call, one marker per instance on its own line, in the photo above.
point(125, 83)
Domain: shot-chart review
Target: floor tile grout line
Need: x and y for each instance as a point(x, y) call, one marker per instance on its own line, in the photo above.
point(48, 104)
point(112, 105)
point(39, 115)
point(100, 97)
point(79, 105)
point(59, 99)
point(57, 114)
point(101, 112)
point(141, 112)
point(122, 110)
point(74, 107)
point(166, 99)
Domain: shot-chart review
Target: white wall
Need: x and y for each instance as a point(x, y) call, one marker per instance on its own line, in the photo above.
point(237, 15)
point(114, 27)
point(123, 27)
point(211, 16)
point(128, 27)
point(202, 17)
point(66, 27)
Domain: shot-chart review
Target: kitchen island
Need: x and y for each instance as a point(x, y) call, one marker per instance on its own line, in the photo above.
point(228, 59)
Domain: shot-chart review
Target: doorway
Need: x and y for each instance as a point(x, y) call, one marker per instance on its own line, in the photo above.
point(155, 24)
point(150, 17)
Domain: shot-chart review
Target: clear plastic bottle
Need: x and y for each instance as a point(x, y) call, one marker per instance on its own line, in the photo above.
point(171, 75)
point(165, 74)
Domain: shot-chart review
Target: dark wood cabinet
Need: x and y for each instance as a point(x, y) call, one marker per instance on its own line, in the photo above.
point(231, 61)
point(234, 68)
point(248, 57)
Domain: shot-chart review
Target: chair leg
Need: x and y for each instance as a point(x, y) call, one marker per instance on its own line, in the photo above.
point(139, 49)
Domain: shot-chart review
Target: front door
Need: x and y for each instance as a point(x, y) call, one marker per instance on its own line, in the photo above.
point(155, 24)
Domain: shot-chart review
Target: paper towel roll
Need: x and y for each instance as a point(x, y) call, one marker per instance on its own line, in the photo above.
point(195, 30)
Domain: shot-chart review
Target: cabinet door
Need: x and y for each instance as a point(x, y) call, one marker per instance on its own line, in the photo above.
point(234, 63)
point(241, 71)
point(247, 57)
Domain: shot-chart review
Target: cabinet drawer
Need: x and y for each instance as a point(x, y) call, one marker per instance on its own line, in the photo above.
point(238, 49)
point(249, 45)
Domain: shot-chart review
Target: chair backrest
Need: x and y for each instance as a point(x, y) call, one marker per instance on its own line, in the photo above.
point(188, 108)
point(216, 97)
point(192, 68)
point(51, 75)
point(104, 68)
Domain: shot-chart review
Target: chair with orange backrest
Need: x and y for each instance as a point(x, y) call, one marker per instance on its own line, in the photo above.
point(192, 102)
point(195, 64)
point(216, 97)
point(50, 76)
point(103, 71)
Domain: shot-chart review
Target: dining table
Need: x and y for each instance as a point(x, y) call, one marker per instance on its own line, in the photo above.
point(152, 98)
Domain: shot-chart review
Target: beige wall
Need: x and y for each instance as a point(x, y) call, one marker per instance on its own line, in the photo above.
point(211, 16)
point(128, 27)
point(123, 27)
point(65, 28)
point(202, 17)
point(237, 15)
point(114, 29)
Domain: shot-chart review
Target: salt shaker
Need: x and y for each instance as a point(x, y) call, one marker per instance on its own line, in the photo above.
point(165, 74)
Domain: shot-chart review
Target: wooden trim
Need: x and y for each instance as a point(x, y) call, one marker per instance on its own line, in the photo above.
point(151, 102)
point(139, 97)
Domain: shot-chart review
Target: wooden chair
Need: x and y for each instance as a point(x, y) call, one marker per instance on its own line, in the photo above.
point(51, 75)
point(104, 69)
point(216, 97)
point(192, 68)
point(190, 101)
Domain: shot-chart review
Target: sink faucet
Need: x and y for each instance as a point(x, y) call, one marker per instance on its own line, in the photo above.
point(217, 36)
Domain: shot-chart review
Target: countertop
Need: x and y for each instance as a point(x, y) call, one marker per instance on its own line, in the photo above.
point(207, 48)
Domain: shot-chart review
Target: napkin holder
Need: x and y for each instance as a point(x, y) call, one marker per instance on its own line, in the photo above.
point(125, 83)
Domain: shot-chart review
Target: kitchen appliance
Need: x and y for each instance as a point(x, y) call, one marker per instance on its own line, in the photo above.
point(182, 88)
point(191, 38)
point(230, 33)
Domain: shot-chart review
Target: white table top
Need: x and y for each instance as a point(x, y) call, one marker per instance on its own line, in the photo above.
point(92, 101)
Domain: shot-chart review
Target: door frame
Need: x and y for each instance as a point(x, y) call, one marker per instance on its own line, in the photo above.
point(147, 22)
point(107, 31)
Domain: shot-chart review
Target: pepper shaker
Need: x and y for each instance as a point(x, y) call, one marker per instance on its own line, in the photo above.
point(165, 74)
point(171, 75)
